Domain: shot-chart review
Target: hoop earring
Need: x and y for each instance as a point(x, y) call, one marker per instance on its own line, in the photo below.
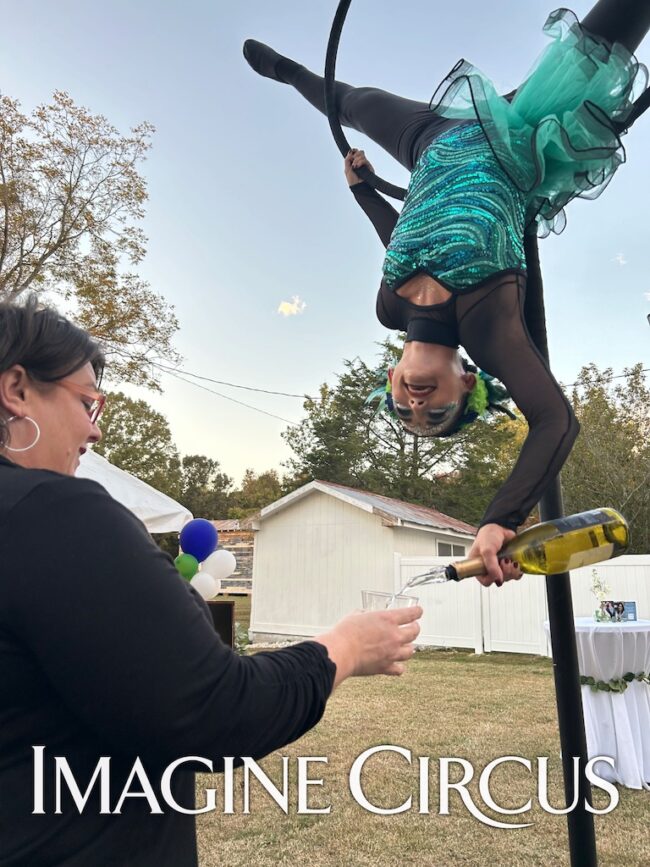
point(37, 438)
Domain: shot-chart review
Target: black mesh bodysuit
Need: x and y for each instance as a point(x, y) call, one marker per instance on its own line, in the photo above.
point(489, 322)
point(485, 270)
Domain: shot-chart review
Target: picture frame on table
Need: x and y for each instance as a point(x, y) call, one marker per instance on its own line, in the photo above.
point(618, 611)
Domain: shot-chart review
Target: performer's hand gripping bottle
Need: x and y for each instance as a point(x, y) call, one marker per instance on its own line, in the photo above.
point(559, 545)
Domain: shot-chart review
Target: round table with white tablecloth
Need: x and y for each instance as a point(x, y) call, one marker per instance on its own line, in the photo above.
point(617, 723)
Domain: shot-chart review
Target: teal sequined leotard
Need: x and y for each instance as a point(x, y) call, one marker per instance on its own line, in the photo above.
point(499, 168)
point(516, 161)
point(463, 219)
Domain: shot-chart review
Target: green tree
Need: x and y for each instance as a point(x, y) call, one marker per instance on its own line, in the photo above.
point(205, 490)
point(256, 491)
point(610, 462)
point(137, 439)
point(71, 198)
point(483, 465)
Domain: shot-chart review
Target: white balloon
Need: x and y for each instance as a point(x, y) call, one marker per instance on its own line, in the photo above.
point(205, 585)
point(220, 564)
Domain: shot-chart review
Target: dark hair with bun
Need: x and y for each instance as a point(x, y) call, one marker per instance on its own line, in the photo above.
point(45, 343)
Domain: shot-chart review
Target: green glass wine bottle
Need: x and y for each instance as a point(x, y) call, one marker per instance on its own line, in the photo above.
point(559, 545)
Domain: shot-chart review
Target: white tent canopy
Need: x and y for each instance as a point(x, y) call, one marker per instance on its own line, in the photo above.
point(158, 512)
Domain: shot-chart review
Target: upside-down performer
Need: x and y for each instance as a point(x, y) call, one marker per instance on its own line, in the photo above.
point(485, 170)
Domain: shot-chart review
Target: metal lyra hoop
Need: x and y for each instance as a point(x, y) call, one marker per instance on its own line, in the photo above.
point(332, 112)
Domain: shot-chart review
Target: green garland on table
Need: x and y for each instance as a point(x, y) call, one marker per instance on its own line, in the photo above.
point(616, 684)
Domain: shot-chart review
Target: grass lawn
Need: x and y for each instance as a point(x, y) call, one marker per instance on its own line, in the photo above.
point(448, 704)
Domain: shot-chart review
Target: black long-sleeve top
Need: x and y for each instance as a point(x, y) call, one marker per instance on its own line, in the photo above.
point(106, 651)
point(488, 320)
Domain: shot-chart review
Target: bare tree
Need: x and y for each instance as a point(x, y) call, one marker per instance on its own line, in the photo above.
point(71, 197)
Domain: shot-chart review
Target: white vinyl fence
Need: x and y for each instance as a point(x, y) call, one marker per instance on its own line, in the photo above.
point(511, 618)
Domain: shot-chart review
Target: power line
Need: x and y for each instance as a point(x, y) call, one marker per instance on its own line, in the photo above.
point(178, 370)
point(232, 399)
point(179, 373)
point(175, 370)
point(620, 376)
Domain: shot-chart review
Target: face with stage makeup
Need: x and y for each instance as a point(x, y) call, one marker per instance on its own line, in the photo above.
point(430, 388)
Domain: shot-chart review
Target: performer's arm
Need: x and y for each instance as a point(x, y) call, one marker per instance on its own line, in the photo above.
point(493, 331)
point(382, 215)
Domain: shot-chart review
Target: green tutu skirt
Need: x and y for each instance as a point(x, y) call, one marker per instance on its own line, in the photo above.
point(559, 135)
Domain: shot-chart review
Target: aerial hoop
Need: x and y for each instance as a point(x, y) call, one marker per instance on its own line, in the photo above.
point(641, 105)
point(332, 113)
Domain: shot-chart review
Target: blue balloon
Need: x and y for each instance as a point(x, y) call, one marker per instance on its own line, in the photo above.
point(199, 538)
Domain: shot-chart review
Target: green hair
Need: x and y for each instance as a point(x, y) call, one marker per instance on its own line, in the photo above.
point(383, 393)
point(488, 395)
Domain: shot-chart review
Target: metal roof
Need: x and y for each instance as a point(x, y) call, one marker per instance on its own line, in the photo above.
point(392, 511)
point(408, 512)
point(226, 525)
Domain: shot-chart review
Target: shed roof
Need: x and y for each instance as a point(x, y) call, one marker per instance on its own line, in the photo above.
point(393, 512)
point(226, 525)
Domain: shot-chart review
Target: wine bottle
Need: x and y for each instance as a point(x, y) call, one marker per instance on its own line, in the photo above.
point(559, 545)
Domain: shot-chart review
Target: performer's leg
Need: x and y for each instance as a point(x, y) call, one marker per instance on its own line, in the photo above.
point(398, 125)
point(624, 21)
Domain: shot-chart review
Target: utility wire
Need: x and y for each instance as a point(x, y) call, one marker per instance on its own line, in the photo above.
point(178, 371)
point(180, 374)
point(619, 376)
point(174, 370)
point(232, 399)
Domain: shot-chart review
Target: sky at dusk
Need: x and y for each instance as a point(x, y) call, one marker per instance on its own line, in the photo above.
point(253, 235)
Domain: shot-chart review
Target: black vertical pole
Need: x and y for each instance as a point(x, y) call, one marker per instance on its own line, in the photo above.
point(573, 742)
point(582, 837)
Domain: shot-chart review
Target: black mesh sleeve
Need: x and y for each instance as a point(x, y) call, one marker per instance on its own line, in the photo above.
point(129, 646)
point(493, 330)
point(382, 215)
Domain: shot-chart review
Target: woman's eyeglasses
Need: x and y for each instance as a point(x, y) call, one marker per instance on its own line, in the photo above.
point(94, 400)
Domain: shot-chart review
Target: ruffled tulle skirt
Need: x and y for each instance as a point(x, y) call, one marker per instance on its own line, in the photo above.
point(559, 136)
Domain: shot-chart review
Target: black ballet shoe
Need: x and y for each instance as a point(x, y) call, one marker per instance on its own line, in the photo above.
point(263, 59)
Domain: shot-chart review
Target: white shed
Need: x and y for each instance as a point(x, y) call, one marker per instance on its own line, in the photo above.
point(317, 548)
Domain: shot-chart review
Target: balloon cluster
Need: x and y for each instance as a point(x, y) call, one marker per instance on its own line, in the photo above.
point(199, 540)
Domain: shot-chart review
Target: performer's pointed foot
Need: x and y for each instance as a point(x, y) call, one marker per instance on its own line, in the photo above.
point(263, 59)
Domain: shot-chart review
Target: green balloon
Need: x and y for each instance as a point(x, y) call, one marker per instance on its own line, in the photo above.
point(187, 565)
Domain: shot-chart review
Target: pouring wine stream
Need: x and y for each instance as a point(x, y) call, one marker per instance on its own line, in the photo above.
point(438, 575)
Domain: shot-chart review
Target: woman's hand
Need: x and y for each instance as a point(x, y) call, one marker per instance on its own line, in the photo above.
point(354, 160)
point(489, 541)
point(372, 642)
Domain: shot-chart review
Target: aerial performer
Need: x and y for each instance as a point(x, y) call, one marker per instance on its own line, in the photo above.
point(486, 170)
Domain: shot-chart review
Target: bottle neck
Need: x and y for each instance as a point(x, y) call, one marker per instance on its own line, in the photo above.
point(465, 569)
